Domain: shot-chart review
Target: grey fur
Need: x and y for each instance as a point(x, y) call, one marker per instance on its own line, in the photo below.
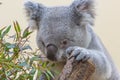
point(34, 13)
point(69, 28)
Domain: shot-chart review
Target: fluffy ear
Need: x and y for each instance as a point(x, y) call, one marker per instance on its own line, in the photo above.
point(84, 11)
point(83, 5)
point(34, 13)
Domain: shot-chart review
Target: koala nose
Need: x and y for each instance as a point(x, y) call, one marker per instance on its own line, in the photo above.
point(51, 51)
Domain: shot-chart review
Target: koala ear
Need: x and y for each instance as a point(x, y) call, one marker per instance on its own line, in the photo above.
point(83, 5)
point(83, 11)
point(34, 13)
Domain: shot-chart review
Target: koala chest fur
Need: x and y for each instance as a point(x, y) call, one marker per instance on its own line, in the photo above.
point(67, 30)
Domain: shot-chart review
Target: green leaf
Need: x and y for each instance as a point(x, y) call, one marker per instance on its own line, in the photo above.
point(45, 64)
point(23, 64)
point(26, 47)
point(39, 72)
point(1, 31)
point(47, 75)
point(32, 71)
point(10, 46)
point(6, 47)
point(35, 58)
point(13, 64)
point(17, 29)
point(6, 31)
point(16, 49)
point(50, 73)
point(26, 33)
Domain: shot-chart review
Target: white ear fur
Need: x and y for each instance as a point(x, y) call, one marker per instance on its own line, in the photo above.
point(32, 24)
point(84, 11)
point(34, 12)
point(83, 5)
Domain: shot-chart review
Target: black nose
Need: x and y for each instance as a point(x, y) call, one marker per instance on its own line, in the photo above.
point(51, 51)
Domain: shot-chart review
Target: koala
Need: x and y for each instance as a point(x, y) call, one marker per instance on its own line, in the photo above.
point(63, 31)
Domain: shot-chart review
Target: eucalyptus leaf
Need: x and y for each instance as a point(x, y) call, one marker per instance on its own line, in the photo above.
point(6, 31)
point(23, 64)
point(1, 30)
point(36, 58)
point(26, 47)
point(17, 30)
point(26, 33)
point(50, 73)
point(18, 27)
point(13, 57)
point(47, 75)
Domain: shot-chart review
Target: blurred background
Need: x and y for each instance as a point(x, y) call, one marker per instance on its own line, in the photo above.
point(107, 23)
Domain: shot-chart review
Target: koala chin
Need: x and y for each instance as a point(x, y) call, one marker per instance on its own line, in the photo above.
point(68, 30)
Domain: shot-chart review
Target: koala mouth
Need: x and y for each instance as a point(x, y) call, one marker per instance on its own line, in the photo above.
point(51, 57)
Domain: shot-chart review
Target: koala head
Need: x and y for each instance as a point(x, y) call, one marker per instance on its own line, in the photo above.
point(61, 27)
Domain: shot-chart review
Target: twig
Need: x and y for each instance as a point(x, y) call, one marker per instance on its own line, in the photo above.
point(77, 70)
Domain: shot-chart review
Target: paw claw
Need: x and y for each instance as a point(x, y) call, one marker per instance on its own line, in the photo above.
point(68, 52)
point(80, 54)
point(85, 58)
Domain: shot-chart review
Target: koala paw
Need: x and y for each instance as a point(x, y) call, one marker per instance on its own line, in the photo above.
point(79, 53)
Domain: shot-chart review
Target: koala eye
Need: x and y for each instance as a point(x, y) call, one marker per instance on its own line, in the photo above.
point(64, 43)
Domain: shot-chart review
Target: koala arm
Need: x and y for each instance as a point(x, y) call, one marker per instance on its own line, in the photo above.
point(102, 65)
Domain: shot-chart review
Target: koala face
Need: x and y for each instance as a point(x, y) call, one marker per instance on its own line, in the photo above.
point(59, 28)
point(58, 31)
